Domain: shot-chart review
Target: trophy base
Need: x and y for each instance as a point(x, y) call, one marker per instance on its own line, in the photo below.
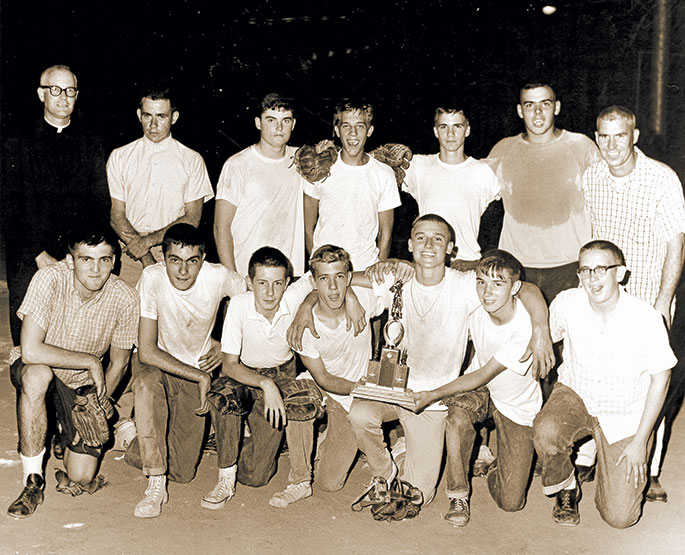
point(390, 395)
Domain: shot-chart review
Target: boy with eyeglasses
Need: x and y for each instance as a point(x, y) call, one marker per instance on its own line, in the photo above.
point(612, 385)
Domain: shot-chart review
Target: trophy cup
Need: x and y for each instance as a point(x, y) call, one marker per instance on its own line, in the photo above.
point(386, 379)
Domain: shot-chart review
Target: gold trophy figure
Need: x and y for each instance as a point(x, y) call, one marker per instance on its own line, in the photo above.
point(386, 379)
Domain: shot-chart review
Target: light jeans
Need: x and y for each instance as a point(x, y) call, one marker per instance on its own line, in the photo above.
point(425, 437)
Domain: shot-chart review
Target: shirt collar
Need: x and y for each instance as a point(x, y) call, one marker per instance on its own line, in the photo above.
point(157, 146)
point(58, 128)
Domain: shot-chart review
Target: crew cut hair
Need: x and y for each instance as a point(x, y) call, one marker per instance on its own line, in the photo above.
point(614, 112)
point(603, 245)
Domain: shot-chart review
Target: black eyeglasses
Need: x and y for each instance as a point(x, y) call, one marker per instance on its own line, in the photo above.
point(56, 91)
point(599, 271)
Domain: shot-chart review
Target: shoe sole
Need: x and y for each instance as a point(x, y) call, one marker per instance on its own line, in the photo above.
point(284, 504)
point(164, 502)
point(568, 522)
point(211, 505)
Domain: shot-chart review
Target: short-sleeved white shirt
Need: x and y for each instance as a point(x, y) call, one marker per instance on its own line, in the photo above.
point(460, 193)
point(608, 363)
point(155, 180)
point(258, 342)
point(349, 202)
point(343, 354)
point(515, 393)
point(267, 194)
point(435, 321)
point(185, 318)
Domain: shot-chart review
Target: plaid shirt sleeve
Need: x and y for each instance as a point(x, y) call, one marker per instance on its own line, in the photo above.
point(671, 209)
point(40, 297)
point(128, 315)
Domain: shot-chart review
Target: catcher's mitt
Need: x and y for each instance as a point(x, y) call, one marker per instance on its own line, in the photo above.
point(228, 396)
point(302, 400)
point(90, 416)
point(314, 165)
point(395, 155)
point(398, 501)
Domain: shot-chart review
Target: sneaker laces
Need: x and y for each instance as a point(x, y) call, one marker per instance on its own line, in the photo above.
point(461, 504)
point(222, 489)
point(566, 499)
point(155, 489)
point(294, 492)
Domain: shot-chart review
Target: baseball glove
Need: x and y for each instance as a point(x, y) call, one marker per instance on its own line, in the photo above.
point(395, 155)
point(314, 165)
point(228, 396)
point(302, 400)
point(398, 501)
point(90, 416)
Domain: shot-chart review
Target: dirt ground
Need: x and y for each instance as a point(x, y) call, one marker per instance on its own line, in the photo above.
point(324, 523)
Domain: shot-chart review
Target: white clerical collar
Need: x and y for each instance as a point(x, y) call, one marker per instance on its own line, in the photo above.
point(58, 127)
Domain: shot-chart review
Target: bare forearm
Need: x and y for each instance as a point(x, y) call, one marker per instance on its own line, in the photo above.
point(385, 222)
point(535, 305)
point(224, 246)
point(656, 395)
point(122, 227)
point(56, 357)
point(117, 367)
point(671, 270)
point(154, 356)
point(241, 373)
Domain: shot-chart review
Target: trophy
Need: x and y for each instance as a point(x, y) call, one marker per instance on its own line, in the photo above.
point(386, 379)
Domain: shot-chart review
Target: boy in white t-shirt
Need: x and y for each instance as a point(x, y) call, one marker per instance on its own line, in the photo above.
point(259, 193)
point(437, 302)
point(498, 385)
point(176, 354)
point(455, 186)
point(337, 359)
point(354, 206)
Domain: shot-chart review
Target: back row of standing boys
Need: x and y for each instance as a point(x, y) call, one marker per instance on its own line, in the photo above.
point(558, 191)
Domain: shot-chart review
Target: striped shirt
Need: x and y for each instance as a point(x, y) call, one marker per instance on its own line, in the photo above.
point(110, 317)
point(609, 363)
point(640, 213)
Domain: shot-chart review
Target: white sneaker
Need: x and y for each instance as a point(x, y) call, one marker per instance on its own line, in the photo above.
point(124, 433)
point(155, 496)
point(222, 492)
point(294, 492)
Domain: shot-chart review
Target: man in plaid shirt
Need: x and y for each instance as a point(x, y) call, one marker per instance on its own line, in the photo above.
point(612, 386)
point(637, 203)
point(73, 313)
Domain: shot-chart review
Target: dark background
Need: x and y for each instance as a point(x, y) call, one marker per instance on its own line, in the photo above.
point(403, 57)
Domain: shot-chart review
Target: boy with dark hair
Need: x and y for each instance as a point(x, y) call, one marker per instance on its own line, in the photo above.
point(497, 385)
point(176, 355)
point(259, 193)
point(73, 313)
point(256, 354)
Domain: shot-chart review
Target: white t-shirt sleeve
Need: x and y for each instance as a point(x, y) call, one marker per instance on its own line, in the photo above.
point(493, 187)
point(411, 183)
point(509, 353)
point(389, 196)
point(233, 284)
point(232, 334)
point(309, 348)
point(312, 190)
point(298, 291)
point(231, 185)
point(148, 289)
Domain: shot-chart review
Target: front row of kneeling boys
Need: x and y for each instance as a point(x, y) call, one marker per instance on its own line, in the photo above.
point(612, 382)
